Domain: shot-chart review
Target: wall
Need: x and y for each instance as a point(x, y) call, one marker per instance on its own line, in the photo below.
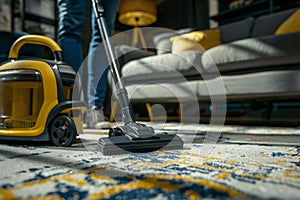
point(213, 10)
point(176, 14)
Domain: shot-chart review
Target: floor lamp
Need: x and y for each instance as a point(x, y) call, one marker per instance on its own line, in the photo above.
point(137, 13)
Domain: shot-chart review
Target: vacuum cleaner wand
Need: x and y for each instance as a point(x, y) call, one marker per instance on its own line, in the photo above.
point(120, 87)
point(132, 137)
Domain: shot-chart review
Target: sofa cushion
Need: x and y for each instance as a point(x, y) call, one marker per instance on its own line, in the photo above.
point(197, 40)
point(267, 24)
point(292, 24)
point(162, 41)
point(126, 53)
point(163, 91)
point(252, 86)
point(253, 53)
point(236, 30)
point(165, 67)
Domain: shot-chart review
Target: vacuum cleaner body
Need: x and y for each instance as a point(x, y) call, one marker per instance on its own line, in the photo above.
point(36, 97)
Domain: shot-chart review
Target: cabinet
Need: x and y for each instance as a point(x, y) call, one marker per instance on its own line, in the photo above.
point(233, 10)
point(31, 16)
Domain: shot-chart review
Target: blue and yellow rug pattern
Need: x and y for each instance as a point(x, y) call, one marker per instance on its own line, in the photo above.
point(227, 171)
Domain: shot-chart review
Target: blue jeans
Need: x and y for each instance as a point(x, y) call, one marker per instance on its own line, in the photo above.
point(70, 30)
point(98, 65)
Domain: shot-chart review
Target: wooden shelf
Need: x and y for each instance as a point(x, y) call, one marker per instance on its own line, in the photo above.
point(254, 9)
point(34, 16)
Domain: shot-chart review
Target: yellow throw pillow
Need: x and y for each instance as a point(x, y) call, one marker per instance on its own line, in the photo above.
point(292, 24)
point(180, 44)
point(197, 40)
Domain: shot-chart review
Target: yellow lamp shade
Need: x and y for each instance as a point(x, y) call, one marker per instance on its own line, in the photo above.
point(137, 12)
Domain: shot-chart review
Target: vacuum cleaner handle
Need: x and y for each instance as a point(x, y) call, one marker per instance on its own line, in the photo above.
point(35, 39)
point(114, 65)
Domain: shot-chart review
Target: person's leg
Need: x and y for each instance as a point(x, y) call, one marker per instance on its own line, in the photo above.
point(70, 28)
point(97, 76)
point(98, 64)
point(110, 12)
point(97, 89)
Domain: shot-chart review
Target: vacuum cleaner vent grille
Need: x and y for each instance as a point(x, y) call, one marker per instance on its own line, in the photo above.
point(23, 91)
point(23, 123)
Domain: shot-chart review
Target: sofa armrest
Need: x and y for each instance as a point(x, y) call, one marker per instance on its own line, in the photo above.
point(127, 53)
point(286, 43)
point(259, 52)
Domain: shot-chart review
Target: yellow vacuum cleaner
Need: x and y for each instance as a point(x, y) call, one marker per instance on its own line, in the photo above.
point(36, 97)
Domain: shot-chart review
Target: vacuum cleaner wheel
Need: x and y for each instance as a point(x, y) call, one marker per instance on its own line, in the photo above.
point(63, 131)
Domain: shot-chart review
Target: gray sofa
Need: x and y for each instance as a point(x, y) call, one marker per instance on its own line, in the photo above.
point(250, 64)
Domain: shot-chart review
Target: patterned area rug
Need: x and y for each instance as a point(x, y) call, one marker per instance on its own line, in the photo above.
point(261, 169)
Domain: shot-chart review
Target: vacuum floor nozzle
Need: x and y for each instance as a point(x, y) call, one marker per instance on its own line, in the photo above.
point(123, 144)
